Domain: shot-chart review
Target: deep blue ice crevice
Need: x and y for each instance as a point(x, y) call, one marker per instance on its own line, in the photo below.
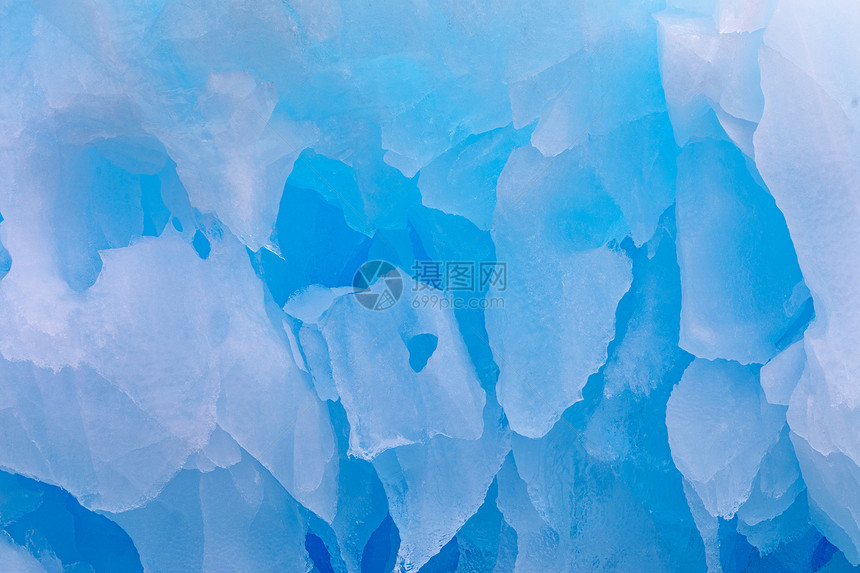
point(487, 542)
point(313, 242)
point(43, 528)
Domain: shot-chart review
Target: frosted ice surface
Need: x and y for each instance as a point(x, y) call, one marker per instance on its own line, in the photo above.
point(738, 267)
point(61, 436)
point(828, 456)
point(17, 559)
point(739, 16)
point(159, 337)
point(565, 522)
point(709, 69)
point(832, 482)
point(251, 158)
point(720, 404)
point(440, 110)
point(537, 542)
point(612, 80)
point(665, 381)
point(387, 402)
point(769, 516)
point(234, 518)
point(434, 488)
point(648, 347)
point(316, 355)
point(808, 151)
point(144, 339)
point(463, 181)
point(551, 225)
point(780, 376)
point(638, 171)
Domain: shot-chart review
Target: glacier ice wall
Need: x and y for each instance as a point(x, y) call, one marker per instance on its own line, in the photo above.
point(354, 286)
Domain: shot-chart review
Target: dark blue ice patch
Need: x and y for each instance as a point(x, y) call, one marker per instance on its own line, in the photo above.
point(421, 347)
point(318, 553)
point(201, 244)
point(316, 246)
point(445, 561)
point(822, 554)
point(155, 212)
point(380, 553)
point(5, 261)
point(46, 518)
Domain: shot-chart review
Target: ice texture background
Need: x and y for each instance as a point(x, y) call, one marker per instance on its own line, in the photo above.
point(187, 382)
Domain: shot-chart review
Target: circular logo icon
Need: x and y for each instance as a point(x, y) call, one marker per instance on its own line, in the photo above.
point(377, 285)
